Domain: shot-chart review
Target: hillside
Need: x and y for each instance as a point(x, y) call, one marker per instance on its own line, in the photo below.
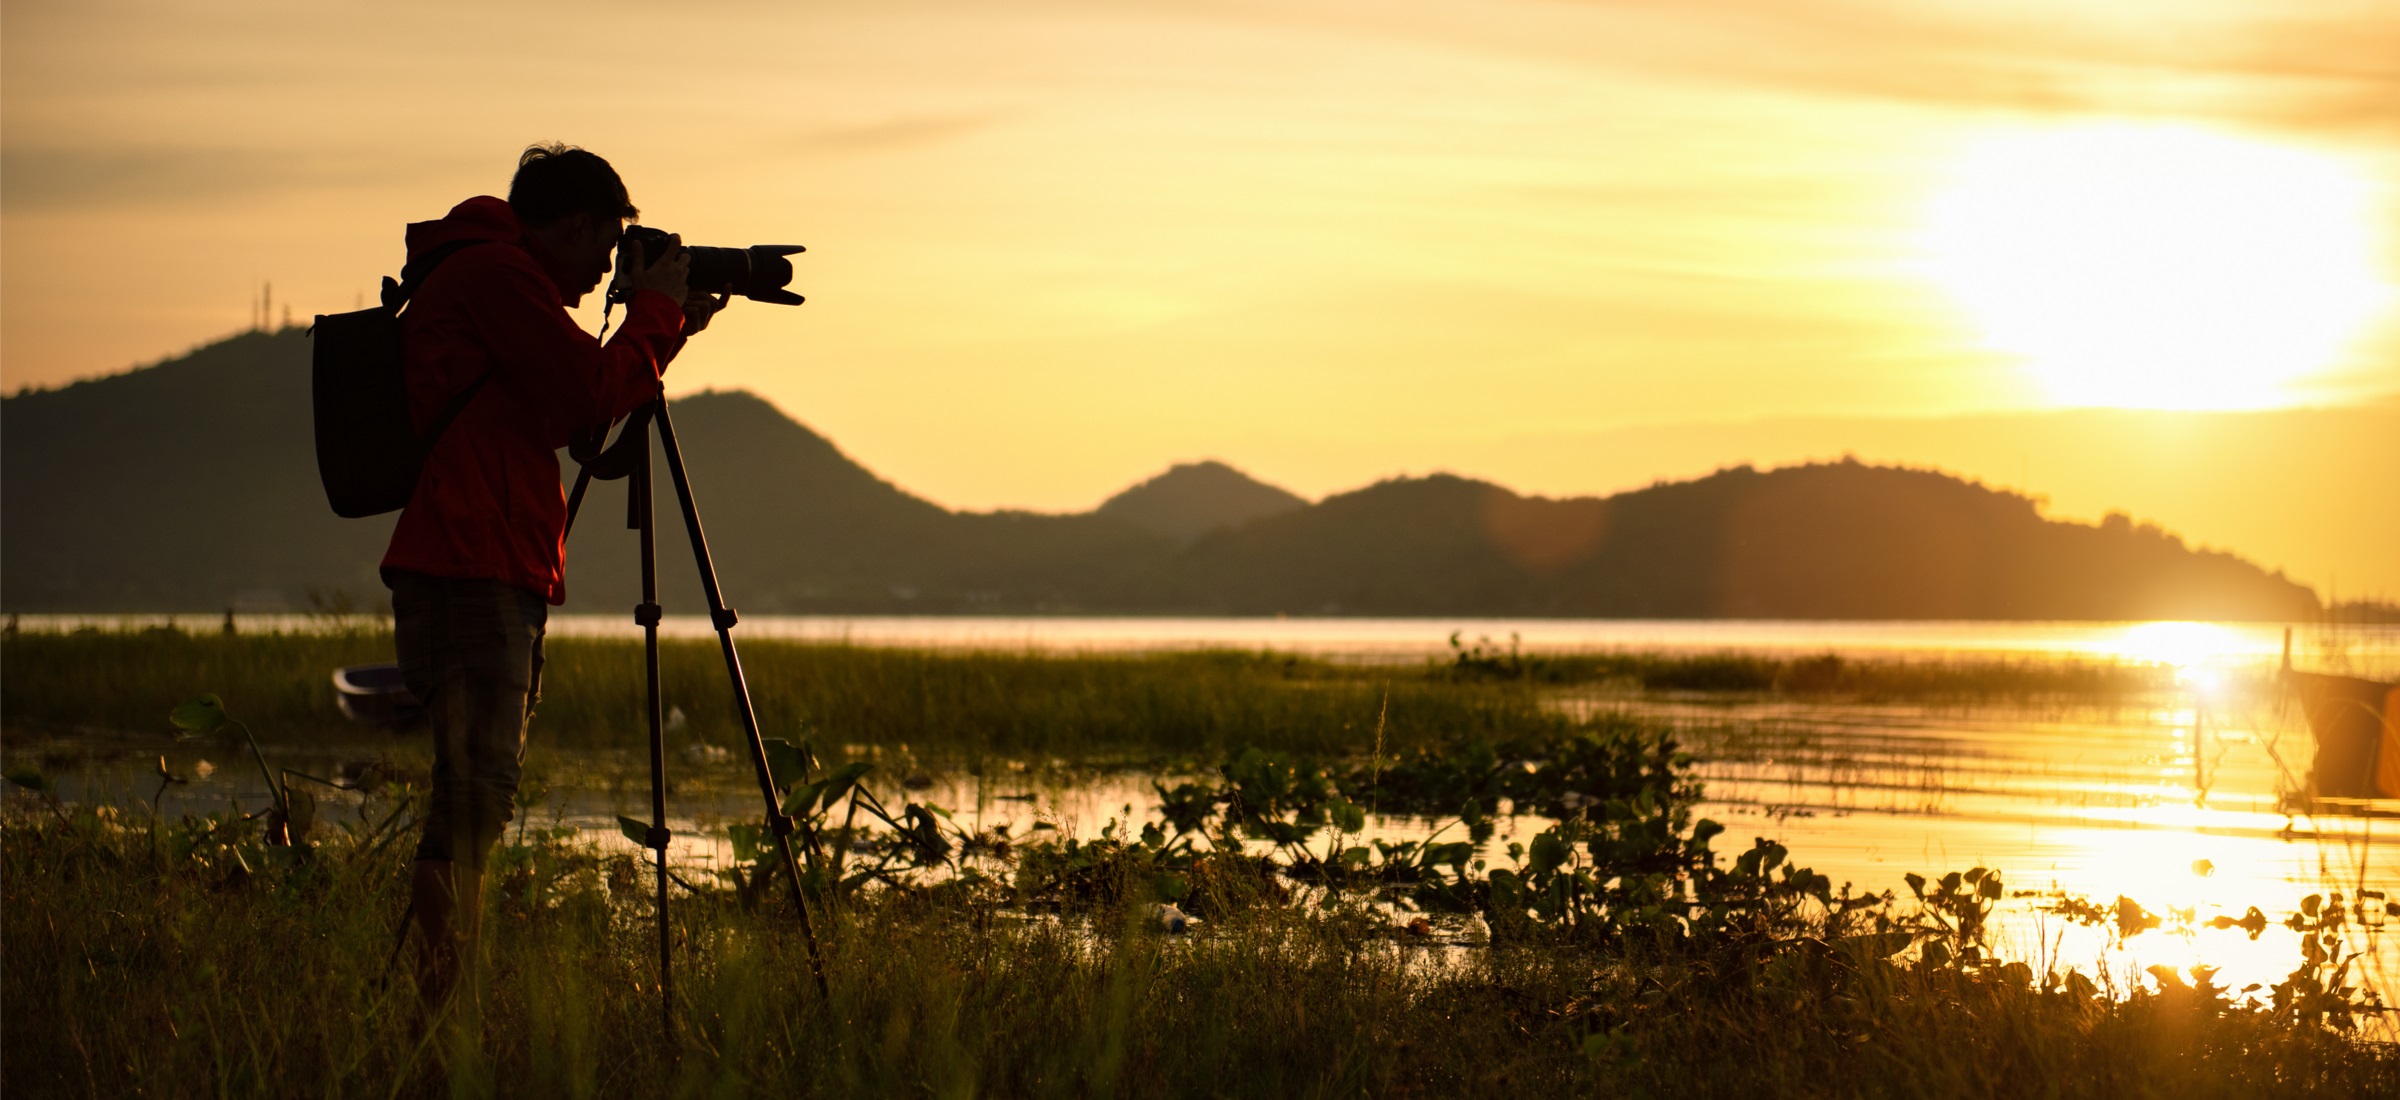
point(1194, 498)
point(191, 486)
point(1838, 540)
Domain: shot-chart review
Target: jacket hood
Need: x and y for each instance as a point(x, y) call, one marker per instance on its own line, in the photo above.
point(482, 218)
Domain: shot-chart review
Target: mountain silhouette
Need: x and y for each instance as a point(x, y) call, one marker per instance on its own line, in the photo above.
point(191, 486)
point(1194, 498)
point(1834, 540)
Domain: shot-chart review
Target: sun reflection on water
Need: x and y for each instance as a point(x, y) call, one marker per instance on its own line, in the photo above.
point(2185, 645)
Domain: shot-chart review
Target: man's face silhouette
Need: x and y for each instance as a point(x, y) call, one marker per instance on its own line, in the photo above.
point(580, 248)
point(595, 245)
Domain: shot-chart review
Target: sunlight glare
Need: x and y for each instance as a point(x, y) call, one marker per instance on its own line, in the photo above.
point(2159, 266)
point(2185, 645)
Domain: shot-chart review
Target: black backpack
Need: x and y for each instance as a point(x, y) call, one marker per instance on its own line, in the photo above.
point(368, 452)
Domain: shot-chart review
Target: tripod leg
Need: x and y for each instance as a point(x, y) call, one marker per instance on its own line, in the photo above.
point(647, 614)
point(723, 617)
point(583, 481)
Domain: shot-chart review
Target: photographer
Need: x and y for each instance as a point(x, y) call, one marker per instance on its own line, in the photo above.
point(478, 554)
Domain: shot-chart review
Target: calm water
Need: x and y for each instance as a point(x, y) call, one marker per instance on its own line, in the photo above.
point(2365, 650)
point(2174, 803)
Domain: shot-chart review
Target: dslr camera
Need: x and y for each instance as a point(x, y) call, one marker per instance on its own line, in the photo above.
point(759, 272)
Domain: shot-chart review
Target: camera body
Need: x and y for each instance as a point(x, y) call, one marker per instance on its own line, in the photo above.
point(759, 272)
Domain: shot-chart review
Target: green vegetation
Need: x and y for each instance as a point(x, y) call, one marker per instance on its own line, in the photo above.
point(967, 704)
point(192, 957)
point(1148, 706)
point(1920, 681)
point(250, 951)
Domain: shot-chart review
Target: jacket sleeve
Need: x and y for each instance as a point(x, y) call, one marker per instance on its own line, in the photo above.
point(550, 363)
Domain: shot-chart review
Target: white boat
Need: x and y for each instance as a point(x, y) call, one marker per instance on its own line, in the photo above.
point(375, 695)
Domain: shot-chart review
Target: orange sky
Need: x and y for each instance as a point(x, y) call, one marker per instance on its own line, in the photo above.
point(1055, 246)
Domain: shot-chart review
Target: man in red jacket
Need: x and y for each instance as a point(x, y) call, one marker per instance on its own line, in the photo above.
point(477, 557)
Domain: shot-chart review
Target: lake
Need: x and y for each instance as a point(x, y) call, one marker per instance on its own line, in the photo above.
point(2367, 650)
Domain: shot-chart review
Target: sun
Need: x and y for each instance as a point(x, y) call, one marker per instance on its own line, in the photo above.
point(2154, 266)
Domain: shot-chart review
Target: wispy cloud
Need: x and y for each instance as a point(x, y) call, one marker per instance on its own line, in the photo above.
point(2332, 65)
point(895, 133)
point(51, 177)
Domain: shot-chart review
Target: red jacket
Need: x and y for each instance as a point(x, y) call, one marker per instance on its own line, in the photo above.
point(489, 504)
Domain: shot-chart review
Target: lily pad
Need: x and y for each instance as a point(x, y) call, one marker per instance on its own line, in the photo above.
point(200, 717)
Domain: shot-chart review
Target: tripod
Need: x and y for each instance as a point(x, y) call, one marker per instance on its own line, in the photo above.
point(629, 458)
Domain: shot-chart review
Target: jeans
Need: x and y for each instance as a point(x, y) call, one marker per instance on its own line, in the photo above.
point(471, 652)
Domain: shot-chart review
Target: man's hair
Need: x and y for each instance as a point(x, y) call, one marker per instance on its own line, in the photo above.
point(556, 181)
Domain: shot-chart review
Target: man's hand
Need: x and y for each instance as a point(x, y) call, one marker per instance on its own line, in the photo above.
point(670, 276)
point(699, 308)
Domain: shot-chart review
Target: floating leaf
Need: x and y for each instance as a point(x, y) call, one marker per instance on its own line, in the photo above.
point(842, 779)
point(302, 814)
point(802, 803)
point(1547, 854)
point(790, 763)
point(1349, 817)
point(200, 717)
point(747, 841)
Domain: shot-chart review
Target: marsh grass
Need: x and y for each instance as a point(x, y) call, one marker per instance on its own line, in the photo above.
point(959, 703)
point(975, 703)
point(141, 956)
point(1997, 679)
point(131, 971)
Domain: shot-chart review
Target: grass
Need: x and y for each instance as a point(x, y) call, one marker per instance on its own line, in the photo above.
point(1979, 680)
point(187, 957)
point(1018, 705)
point(134, 966)
point(975, 703)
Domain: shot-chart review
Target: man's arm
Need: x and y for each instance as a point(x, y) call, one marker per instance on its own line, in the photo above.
point(550, 363)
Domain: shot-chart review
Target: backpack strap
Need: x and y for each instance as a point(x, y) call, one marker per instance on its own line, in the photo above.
point(397, 293)
point(414, 273)
point(450, 411)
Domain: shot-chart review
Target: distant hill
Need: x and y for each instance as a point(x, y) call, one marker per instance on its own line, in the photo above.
point(191, 486)
point(1838, 540)
point(183, 486)
point(1194, 498)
